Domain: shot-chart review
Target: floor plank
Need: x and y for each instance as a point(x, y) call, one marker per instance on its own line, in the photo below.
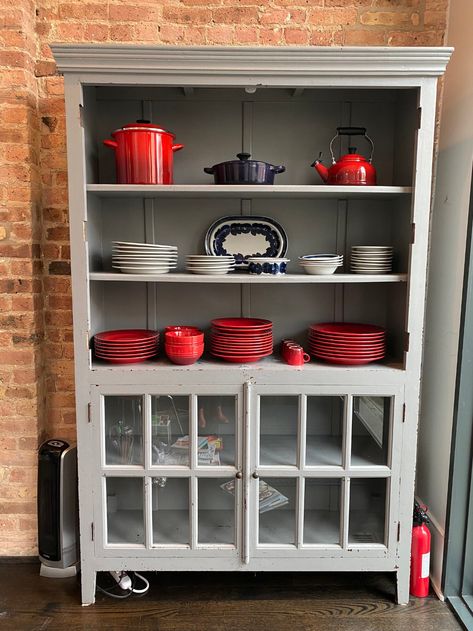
point(219, 602)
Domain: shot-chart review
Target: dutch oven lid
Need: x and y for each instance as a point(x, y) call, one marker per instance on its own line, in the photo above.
point(143, 125)
point(242, 157)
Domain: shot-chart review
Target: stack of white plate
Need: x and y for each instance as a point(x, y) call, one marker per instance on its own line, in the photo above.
point(143, 258)
point(371, 259)
point(209, 264)
point(320, 263)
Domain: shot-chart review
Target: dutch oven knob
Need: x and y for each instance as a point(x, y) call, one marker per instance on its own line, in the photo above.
point(144, 121)
point(243, 156)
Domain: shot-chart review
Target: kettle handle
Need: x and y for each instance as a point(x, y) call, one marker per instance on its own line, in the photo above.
point(352, 131)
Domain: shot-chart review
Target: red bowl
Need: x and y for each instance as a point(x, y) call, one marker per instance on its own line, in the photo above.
point(182, 349)
point(184, 337)
point(177, 327)
point(182, 360)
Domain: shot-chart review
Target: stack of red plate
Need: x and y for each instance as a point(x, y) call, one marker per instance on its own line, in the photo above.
point(241, 340)
point(347, 343)
point(127, 346)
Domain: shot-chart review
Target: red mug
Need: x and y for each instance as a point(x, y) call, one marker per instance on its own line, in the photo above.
point(285, 344)
point(295, 355)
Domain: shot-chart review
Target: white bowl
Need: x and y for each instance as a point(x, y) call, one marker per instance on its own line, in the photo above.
point(320, 269)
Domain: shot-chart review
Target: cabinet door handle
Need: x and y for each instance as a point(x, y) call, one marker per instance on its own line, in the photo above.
point(255, 475)
point(238, 475)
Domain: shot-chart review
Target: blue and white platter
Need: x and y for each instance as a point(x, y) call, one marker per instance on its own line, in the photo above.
point(244, 237)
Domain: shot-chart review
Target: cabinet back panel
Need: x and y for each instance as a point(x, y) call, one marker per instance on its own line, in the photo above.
point(112, 116)
point(118, 306)
point(211, 132)
point(272, 124)
point(119, 219)
point(310, 224)
point(196, 305)
point(293, 308)
point(184, 222)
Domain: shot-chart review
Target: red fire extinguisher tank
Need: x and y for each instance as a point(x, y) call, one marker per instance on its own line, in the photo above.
point(420, 553)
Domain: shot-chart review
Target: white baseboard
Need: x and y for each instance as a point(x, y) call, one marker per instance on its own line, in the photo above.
point(436, 553)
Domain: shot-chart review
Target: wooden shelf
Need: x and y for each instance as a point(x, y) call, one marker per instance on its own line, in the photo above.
point(247, 278)
point(315, 191)
point(273, 363)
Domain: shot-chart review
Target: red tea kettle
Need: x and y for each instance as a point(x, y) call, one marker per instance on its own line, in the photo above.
point(352, 168)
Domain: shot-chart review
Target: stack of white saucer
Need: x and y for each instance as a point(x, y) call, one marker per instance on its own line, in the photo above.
point(209, 264)
point(371, 259)
point(143, 258)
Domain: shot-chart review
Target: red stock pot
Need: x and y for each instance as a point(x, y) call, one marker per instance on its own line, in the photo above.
point(143, 153)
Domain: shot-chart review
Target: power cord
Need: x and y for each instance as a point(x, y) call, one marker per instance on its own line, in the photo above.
point(126, 582)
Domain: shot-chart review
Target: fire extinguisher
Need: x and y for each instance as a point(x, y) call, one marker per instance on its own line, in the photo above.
point(420, 553)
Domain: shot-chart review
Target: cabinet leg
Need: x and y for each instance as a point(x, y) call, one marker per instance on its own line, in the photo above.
point(88, 578)
point(402, 585)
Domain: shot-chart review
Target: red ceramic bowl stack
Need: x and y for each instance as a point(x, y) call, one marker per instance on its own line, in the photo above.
point(346, 343)
point(183, 345)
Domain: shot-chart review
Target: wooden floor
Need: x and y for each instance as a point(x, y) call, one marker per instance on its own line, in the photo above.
point(219, 602)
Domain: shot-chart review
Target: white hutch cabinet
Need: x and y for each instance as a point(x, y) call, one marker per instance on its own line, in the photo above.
point(337, 443)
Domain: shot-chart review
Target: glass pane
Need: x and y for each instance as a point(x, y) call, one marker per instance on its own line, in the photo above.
point(217, 423)
point(367, 511)
point(216, 510)
point(277, 514)
point(125, 522)
point(370, 433)
point(278, 430)
point(322, 511)
point(170, 498)
point(324, 430)
point(123, 430)
point(170, 430)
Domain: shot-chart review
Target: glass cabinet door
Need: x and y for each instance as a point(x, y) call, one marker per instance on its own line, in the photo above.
point(170, 511)
point(277, 510)
point(371, 426)
point(170, 430)
point(216, 437)
point(123, 419)
point(278, 430)
point(321, 474)
point(171, 471)
point(125, 511)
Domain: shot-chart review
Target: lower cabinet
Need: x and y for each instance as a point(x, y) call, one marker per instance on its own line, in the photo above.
point(247, 477)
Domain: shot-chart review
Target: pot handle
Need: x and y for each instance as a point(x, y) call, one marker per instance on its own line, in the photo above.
point(113, 144)
point(209, 170)
point(278, 169)
point(177, 147)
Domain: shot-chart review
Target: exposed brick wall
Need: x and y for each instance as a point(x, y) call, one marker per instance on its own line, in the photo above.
point(36, 353)
point(21, 305)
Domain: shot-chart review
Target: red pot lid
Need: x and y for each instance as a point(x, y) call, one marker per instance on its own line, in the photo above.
point(143, 125)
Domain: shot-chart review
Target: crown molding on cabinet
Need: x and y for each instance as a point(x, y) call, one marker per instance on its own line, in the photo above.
point(244, 65)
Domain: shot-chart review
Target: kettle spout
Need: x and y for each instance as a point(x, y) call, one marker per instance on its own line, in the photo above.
point(320, 168)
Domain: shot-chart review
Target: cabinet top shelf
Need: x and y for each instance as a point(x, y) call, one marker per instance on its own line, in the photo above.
point(316, 191)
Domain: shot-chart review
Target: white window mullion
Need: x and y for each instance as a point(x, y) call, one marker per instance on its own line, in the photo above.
point(194, 483)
